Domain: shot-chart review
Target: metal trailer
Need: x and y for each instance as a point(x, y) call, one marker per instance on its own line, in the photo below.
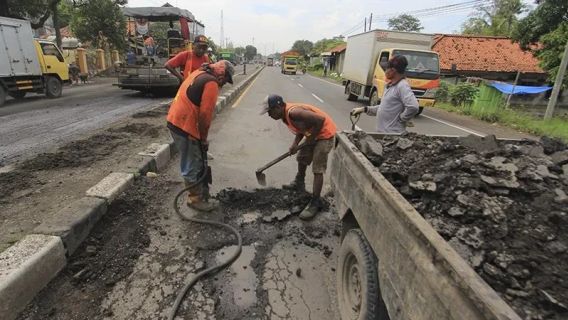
point(392, 262)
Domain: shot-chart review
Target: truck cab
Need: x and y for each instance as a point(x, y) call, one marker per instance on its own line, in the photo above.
point(290, 64)
point(422, 73)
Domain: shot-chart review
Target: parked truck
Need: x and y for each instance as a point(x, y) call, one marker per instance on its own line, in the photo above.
point(28, 64)
point(366, 57)
point(269, 62)
point(290, 61)
point(392, 263)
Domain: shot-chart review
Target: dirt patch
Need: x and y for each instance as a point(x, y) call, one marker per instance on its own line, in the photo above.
point(75, 154)
point(503, 207)
point(151, 113)
point(142, 129)
point(14, 181)
point(106, 257)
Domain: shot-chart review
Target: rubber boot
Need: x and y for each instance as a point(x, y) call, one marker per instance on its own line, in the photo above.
point(311, 209)
point(195, 201)
point(298, 184)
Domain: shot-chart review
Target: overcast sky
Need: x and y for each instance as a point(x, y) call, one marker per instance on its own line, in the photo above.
point(277, 24)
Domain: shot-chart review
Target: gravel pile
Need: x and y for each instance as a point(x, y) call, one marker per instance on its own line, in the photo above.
point(502, 205)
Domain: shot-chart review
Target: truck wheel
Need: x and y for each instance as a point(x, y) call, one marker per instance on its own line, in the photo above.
point(53, 87)
point(420, 109)
point(374, 100)
point(2, 95)
point(357, 282)
point(18, 94)
point(350, 96)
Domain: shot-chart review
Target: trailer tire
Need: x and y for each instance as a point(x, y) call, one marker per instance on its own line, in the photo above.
point(18, 94)
point(357, 282)
point(53, 87)
point(2, 95)
point(374, 99)
point(350, 96)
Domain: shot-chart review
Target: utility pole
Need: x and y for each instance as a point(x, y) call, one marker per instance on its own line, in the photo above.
point(222, 31)
point(370, 21)
point(557, 85)
point(513, 91)
point(365, 25)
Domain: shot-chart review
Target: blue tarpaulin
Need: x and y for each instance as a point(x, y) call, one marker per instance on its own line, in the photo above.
point(508, 88)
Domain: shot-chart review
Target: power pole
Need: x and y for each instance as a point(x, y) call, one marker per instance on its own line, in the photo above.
point(557, 85)
point(365, 25)
point(370, 21)
point(222, 31)
point(513, 90)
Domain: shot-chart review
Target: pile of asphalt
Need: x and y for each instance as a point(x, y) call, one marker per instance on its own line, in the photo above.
point(502, 205)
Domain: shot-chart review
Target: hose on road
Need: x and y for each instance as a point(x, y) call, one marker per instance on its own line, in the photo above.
point(216, 268)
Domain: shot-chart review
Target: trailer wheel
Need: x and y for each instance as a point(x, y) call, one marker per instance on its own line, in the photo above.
point(18, 94)
point(350, 96)
point(357, 282)
point(53, 87)
point(2, 95)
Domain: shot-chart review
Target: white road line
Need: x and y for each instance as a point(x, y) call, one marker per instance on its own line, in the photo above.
point(454, 126)
point(300, 85)
point(318, 98)
point(328, 82)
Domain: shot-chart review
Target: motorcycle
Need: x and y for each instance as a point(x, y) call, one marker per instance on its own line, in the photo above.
point(303, 70)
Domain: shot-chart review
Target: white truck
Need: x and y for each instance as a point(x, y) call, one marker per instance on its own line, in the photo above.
point(27, 64)
point(365, 64)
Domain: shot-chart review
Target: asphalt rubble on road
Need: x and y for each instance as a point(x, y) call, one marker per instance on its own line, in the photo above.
point(502, 205)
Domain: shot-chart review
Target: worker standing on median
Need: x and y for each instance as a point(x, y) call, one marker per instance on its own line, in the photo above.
point(189, 60)
point(319, 130)
point(189, 119)
point(398, 105)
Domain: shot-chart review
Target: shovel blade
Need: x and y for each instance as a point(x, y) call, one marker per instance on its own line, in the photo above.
point(261, 178)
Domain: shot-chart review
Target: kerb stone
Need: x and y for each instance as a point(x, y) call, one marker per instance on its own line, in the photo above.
point(25, 268)
point(111, 186)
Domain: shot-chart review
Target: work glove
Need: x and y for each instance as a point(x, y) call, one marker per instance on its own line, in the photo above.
point(356, 111)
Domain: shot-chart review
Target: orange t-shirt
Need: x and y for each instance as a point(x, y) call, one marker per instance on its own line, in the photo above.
point(327, 131)
point(188, 60)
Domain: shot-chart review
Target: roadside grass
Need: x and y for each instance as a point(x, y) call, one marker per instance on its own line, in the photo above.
point(330, 75)
point(556, 127)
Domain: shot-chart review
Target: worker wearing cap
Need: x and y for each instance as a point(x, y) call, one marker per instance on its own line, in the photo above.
point(318, 128)
point(189, 60)
point(189, 119)
point(398, 105)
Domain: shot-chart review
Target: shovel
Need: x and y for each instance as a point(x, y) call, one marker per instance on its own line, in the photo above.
point(261, 177)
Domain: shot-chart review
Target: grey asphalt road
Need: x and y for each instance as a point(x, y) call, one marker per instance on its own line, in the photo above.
point(36, 124)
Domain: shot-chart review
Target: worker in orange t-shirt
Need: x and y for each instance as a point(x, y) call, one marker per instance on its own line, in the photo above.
point(189, 119)
point(189, 61)
point(305, 121)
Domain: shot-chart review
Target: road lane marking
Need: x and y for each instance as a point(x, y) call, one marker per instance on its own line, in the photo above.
point(328, 82)
point(300, 85)
point(236, 104)
point(454, 126)
point(318, 98)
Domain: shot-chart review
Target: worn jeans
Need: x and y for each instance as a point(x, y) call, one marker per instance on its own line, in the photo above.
point(192, 161)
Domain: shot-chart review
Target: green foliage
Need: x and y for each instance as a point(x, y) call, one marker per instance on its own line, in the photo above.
point(325, 45)
point(102, 16)
point(304, 47)
point(443, 93)
point(240, 51)
point(213, 46)
point(405, 22)
point(250, 52)
point(463, 94)
point(499, 19)
point(37, 11)
point(548, 26)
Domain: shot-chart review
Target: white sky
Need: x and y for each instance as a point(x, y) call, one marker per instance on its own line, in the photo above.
point(275, 25)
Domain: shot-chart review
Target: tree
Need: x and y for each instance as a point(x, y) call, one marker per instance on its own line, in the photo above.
point(405, 22)
point(240, 51)
point(498, 19)
point(325, 44)
point(544, 31)
point(102, 16)
point(250, 52)
point(304, 47)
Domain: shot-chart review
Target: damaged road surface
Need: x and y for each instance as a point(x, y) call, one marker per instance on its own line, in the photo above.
point(141, 254)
